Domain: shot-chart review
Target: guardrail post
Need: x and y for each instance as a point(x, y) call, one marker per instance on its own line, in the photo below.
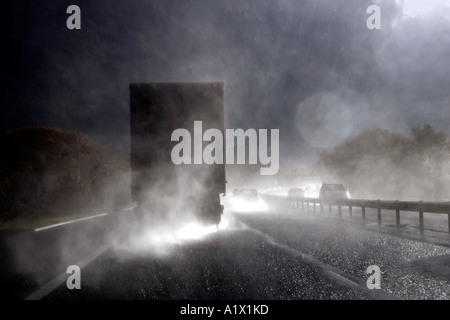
point(397, 206)
point(448, 219)
point(421, 224)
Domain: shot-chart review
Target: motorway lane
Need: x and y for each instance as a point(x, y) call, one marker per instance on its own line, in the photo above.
point(411, 269)
point(30, 259)
point(232, 264)
point(283, 254)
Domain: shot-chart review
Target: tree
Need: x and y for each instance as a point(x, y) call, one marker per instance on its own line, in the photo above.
point(429, 137)
point(381, 164)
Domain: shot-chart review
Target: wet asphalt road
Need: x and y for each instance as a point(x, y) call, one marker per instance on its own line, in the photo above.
point(283, 254)
point(411, 269)
point(30, 259)
point(233, 264)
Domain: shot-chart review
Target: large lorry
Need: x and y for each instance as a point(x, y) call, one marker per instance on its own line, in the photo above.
point(161, 188)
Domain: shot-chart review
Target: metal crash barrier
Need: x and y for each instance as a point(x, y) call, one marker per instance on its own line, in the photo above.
point(411, 206)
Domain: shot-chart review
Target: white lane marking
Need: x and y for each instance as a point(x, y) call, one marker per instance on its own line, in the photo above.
point(61, 278)
point(68, 222)
point(329, 271)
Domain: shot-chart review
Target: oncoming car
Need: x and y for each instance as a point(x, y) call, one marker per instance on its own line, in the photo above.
point(333, 191)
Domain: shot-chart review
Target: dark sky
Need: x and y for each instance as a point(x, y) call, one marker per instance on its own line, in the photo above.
point(310, 68)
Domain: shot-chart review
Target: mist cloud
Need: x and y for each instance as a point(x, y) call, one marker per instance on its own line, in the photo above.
point(272, 56)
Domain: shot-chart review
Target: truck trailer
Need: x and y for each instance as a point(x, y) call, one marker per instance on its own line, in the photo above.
point(164, 190)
